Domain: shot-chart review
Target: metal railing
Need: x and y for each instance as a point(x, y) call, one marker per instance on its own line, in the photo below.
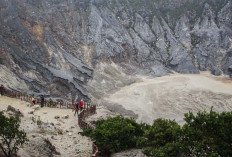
point(27, 98)
point(84, 125)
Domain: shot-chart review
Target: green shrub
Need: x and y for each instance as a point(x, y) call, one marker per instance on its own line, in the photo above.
point(10, 135)
point(208, 134)
point(87, 132)
point(51, 103)
point(39, 122)
point(116, 134)
point(163, 138)
point(204, 134)
point(33, 119)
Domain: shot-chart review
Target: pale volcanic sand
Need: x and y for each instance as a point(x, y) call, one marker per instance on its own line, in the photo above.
point(69, 144)
point(172, 96)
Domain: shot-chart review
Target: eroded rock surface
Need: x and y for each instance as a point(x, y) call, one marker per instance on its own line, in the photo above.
point(58, 47)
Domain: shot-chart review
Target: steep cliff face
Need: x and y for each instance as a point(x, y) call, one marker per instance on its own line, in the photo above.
point(57, 46)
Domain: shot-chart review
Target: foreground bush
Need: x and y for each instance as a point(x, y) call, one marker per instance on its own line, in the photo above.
point(206, 134)
point(163, 139)
point(10, 135)
point(115, 134)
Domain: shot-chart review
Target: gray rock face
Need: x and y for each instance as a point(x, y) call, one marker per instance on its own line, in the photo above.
point(143, 30)
point(55, 47)
point(14, 110)
point(227, 63)
point(39, 146)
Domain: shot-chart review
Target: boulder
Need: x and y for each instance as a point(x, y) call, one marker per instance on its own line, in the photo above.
point(35, 107)
point(216, 71)
point(33, 136)
point(14, 110)
point(58, 124)
point(57, 117)
point(65, 116)
point(31, 112)
point(2, 111)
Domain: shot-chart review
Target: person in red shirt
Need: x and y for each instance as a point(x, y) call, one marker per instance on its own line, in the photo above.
point(1, 89)
point(81, 104)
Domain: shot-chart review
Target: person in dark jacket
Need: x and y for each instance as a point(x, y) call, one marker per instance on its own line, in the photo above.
point(76, 108)
point(2, 89)
point(42, 101)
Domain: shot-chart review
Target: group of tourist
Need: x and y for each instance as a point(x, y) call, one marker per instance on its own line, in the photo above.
point(78, 106)
point(33, 100)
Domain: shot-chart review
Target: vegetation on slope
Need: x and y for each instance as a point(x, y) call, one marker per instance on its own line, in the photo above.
point(204, 134)
point(11, 137)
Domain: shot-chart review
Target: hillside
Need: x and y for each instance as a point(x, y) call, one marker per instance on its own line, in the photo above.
point(89, 48)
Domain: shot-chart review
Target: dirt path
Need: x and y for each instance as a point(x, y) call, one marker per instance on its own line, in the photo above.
point(63, 133)
point(172, 96)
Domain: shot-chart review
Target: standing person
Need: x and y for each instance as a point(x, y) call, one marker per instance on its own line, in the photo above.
point(32, 100)
point(42, 101)
point(1, 89)
point(81, 104)
point(76, 108)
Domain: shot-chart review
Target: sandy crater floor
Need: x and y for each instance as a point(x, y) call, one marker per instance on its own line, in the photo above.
point(172, 96)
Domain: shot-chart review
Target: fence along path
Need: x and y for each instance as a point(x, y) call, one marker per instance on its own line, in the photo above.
point(25, 97)
point(84, 125)
point(87, 111)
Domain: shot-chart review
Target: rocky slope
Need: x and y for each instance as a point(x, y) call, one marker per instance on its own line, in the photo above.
point(88, 48)
point(50, 131)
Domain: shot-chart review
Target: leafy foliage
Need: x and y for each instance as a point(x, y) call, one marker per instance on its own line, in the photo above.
point(39, 122)
point(163, 138)
point(116, 134)
point(208, 134)
point(51, 103)
point(204, 134)
point(10, 135)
